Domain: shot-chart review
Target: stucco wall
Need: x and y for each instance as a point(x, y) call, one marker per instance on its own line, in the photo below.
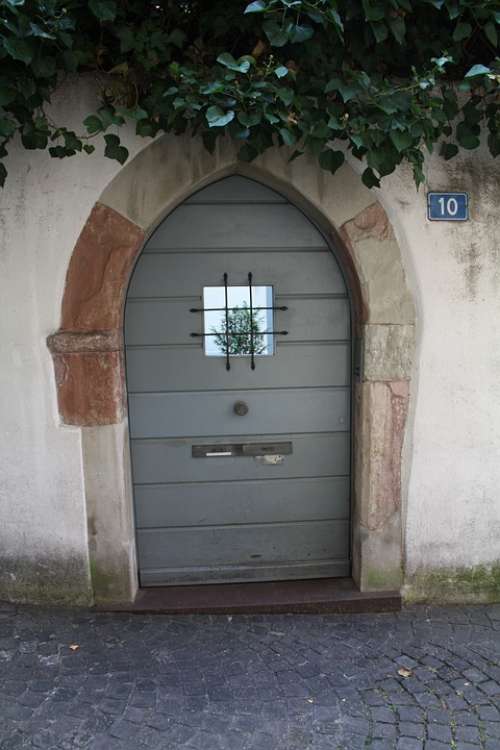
point(43, 535)
point(453, 460)
point(451, 479)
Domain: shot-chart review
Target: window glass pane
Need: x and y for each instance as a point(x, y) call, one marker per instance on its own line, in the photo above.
point(240, 328)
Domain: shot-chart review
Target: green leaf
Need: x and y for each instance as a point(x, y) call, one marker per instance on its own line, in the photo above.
point(241, 134)
point(491, 33)
point(448, 150)
point(450, 104)
point(93, 124)
point(114, 150)
point(369, 178)
point(217, 118)
point(59, 152)
point(249, 119)
point(34, 139)
point(177, 37)
point(301, 33)
point(346, 90)
point(7, 127)
point(127, 38)
point(240, 66)
point(462, 31)
point(287, 136)
point(146, 129)
point(331, 160)
point(36, 30)
point(321, 130)
point(477, 70)
point(493, 144)
point(19, 49)
point(7, 95)
point(285, 94)
point(401, 139)
point(277, 36)
point(380, 32)
point(453, 8)
point(259, 6)
point(44, 67)
point(214, 87)
point(109, 117)
point(281, 71)
point(373, 12)
point(88, 148)
point(104, 10)
point(71, 141)
point(135, 114)
point(398, 28)
point(337, 21)
point(467, 136)
point(3, 175)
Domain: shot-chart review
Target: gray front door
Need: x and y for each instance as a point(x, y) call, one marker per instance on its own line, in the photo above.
point(238, 357)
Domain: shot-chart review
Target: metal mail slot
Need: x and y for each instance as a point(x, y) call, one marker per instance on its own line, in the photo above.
point(235, 450)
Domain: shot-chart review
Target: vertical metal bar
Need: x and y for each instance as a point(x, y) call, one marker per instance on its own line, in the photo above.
point(228, 364)
point(252, 348)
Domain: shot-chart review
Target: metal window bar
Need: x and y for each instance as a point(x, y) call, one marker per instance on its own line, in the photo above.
point(228, 363)
point(252, 346)
point(226, 309)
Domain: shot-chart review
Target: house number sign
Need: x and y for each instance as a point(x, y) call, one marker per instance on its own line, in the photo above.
point(447, 206)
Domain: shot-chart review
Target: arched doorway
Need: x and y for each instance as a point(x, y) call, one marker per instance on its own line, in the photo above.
point(89, 360)
point(238, 362)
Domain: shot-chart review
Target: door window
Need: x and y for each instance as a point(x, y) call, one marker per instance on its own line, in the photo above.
point(244, 325)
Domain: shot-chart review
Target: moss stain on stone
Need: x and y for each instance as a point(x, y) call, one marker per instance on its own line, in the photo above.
point(383, 579)
point(108, 586)
point(48, 581)
point(479, 584)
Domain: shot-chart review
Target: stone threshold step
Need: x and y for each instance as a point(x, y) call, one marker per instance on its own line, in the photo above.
point(319, 596)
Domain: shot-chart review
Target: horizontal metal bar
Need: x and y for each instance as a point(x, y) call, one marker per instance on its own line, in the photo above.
point(243, 333)
point(223, 309)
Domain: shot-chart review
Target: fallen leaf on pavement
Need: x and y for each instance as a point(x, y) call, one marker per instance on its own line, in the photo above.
point(405, 672)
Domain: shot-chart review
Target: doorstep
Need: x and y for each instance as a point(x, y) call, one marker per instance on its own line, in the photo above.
point(319, 596)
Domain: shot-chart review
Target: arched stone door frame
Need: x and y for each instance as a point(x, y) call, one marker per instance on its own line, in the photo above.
point(88, 348)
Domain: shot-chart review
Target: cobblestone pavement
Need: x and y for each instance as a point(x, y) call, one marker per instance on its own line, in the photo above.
point(424, 679)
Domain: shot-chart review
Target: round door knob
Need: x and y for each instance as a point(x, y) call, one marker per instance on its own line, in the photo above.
point(240, 408)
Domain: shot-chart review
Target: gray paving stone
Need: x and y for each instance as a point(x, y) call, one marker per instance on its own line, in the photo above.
point(440, 732)
point(467, 734)
point(251, 683)
point(410, 729)
point(409, 743)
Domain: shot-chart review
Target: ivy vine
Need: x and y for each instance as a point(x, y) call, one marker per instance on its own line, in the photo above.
point(383, 79)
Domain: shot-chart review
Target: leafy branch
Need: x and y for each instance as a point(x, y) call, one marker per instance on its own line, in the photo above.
point(380, 78)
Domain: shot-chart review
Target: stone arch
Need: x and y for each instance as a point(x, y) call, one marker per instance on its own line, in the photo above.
point(88, 348)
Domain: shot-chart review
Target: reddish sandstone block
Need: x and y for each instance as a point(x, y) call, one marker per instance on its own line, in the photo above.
point(90, 387)
point(99, 271)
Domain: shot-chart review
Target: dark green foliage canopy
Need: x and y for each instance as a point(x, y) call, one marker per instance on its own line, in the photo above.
point(382, 78)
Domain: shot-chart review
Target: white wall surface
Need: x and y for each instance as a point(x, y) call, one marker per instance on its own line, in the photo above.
point(42, 516)
point(453, 458)
point(452, 454)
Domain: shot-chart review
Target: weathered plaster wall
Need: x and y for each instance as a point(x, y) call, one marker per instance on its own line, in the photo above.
point(43, 535)
point(451, 470)
point(452, 461)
